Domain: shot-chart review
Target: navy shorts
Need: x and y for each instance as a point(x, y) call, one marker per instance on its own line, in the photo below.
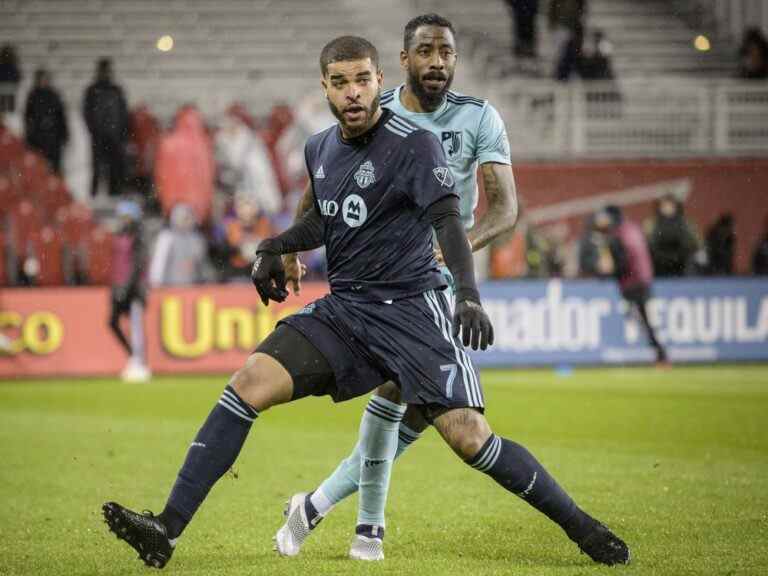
point(409, 341)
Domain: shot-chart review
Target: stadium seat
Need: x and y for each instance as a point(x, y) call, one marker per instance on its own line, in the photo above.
point(48, 248)
point(98, 253)
point(25, 224)
point(3, 255)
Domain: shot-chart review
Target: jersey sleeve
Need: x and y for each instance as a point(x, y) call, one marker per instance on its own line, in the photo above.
point(427, 175)
point(492, 141)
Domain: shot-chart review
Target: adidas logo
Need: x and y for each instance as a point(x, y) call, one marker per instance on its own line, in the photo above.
point(320, 173)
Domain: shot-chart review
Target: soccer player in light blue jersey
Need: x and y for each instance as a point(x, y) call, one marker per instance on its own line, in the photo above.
point(472, 134)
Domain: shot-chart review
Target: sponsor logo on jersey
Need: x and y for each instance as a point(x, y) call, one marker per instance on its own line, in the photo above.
point(320, 173)
point(329, 208)
point(452, 141)
point(365, 175)
point(354, 211)
point(444, 176)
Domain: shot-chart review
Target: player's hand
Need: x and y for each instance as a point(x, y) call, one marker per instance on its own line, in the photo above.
point(473, 323)
point(295, 270)
point(268, 276)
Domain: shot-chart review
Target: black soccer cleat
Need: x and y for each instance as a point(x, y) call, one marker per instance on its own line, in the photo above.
point(604, 546)
point(144, 532)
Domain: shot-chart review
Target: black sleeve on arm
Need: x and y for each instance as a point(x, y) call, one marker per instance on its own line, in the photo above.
point(444, 216)
point(305, 234)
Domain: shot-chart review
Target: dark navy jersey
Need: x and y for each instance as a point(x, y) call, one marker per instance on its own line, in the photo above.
point(372, 193)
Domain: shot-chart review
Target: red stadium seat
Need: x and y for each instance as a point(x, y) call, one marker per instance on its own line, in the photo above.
point(48, 249)
point(25, 224)
point(75, 222)
point(9, 195)
point(99, 256)
point(55, 197)
point(3, 275)
point(11, 150)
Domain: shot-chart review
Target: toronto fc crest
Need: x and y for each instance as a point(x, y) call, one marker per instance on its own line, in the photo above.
point(365, 175)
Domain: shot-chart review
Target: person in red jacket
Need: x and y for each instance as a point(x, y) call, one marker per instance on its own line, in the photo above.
point(632, 267)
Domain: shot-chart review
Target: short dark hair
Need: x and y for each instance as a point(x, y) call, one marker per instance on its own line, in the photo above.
point(345, 48)
point(424, 20)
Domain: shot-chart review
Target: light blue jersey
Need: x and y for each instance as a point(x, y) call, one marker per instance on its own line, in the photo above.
point(471, 132)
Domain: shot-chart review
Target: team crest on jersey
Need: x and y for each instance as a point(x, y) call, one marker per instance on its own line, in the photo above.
point(444, 176)
point(365, 175)
point(354, 211)
point(452, 141)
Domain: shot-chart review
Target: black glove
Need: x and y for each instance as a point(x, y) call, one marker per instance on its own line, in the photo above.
point(472, 322)
point(268, 275)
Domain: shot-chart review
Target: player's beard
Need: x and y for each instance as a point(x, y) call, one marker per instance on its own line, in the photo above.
point(370, 112)
point(428, 99)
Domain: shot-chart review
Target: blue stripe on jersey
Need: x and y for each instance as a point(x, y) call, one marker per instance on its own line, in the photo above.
point(462, 103)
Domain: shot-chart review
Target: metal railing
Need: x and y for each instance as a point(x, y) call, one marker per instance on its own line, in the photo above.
point(655, 118)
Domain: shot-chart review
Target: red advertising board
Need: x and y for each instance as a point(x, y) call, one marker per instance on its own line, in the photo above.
point(64, 332)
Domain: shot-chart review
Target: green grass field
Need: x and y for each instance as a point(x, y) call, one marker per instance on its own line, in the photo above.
point(676, 462)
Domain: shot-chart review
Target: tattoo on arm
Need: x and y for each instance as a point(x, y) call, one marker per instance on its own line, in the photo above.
point(306, 202)
point(501, 216)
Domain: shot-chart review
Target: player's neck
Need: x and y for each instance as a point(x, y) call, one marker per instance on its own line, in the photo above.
point(411, 102)
point(374, 120)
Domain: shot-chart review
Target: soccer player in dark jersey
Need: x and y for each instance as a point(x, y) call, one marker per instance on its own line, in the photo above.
point(385, 187)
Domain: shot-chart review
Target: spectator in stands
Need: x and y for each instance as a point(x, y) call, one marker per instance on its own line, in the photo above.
point(672, 239)
point(240, 235)
point(566, 20)
point(595, 259)
point(720, 244)
point(524, 14)
point(753, 55)
point(594, 61)
point(45, 122)
point(185, 167)
point(128, 292)
point(106, 115)
point(179, 257)
point(631, 267)
point(760, 255)
point(10, 77)
point(245, 166)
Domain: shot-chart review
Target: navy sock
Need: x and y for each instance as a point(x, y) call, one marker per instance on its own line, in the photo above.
point(517, 470)
point(210, 455)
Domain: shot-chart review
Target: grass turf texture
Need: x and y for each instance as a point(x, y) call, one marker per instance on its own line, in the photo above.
point(675, 462)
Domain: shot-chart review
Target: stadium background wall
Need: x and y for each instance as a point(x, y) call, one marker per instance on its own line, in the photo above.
point(212, 329)
point(569, 192)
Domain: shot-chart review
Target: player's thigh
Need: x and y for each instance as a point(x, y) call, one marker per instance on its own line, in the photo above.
point(285, 367)
point(465, 430)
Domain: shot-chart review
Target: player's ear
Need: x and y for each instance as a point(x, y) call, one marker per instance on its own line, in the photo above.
point(380, 77)
point(404, 60)
point(324, 84)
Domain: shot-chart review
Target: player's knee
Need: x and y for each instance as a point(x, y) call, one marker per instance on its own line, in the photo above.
point(262, 382)
point(389, 391)
point(465, 430)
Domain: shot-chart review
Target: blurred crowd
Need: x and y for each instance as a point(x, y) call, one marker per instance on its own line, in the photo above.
point(583, 51)
point(214, 192)
point(675, 245)
point(204, 196)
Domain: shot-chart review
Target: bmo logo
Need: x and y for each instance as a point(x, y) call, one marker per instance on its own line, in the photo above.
point(329, 208)
point(354, 211)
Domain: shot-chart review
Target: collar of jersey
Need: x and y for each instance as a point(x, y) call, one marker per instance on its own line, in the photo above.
point(405, 110)
point(366, 136)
